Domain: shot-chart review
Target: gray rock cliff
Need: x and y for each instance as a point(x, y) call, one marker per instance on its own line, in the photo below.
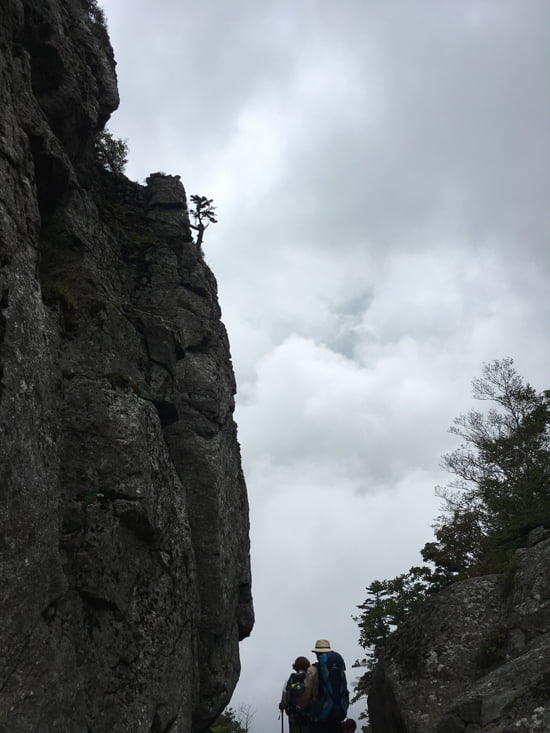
point(475, 658)
point(124, 549)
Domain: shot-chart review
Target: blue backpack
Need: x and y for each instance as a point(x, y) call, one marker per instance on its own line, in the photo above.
point(332, 701)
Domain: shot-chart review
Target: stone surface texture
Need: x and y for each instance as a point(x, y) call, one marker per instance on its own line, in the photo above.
point(124, 549)
point(476, 658)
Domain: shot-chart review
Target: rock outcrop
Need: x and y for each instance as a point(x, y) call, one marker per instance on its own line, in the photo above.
point(125, 575)
point(476, 658)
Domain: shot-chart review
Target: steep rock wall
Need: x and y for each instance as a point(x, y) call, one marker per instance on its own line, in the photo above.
point(476, 658)
point(124, 566)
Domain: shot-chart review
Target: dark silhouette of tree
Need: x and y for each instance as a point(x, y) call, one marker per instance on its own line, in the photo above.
point(203, 215)
point(112, 153)
point(388, 604)
point(96, 12)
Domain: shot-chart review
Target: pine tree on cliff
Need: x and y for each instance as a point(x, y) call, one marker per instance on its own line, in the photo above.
point(203, 215)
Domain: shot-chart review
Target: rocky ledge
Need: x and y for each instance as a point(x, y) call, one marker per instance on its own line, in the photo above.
point(475, 659)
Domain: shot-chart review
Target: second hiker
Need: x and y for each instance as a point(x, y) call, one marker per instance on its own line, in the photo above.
point(291, 699)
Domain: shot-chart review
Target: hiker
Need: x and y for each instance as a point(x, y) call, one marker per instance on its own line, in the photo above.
point(326, 697)
point(291, 698)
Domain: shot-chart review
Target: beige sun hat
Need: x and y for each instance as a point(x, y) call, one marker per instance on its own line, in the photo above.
point(322, 645)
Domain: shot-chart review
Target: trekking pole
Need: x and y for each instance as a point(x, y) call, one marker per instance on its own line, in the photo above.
point(282, 721)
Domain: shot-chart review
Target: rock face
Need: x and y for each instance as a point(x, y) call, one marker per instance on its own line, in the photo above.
point(124, 575)
point(475, 658)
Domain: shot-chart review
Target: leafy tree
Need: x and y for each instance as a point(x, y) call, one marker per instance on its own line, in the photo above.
point(500, 490)
point(388, 604)
point(461, 540)
point(234, 721)
point(245, 714)
point(112, 153)
point(97, 16)
point(203, 215)
point(502, 474)
point(227, 723)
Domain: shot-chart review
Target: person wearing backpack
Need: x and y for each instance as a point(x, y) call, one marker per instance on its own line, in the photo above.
point(326, 696)
point(293, 692)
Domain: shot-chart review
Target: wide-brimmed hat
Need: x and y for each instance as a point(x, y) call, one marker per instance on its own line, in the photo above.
point(322, 645)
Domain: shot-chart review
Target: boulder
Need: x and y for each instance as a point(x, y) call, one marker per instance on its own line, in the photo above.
point(474, 658)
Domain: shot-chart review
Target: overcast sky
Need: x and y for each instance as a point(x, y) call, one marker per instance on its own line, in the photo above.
point(381, 170)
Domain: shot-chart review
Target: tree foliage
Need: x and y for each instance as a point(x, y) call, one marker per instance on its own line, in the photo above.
point(234, 721)
point(388, 604)
point(96, 12)
point(203, 215)
point(501, 485)
point(500, 490)
point(461, 539)
point(99, 21)
point(227, 723)
point(111, 152)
